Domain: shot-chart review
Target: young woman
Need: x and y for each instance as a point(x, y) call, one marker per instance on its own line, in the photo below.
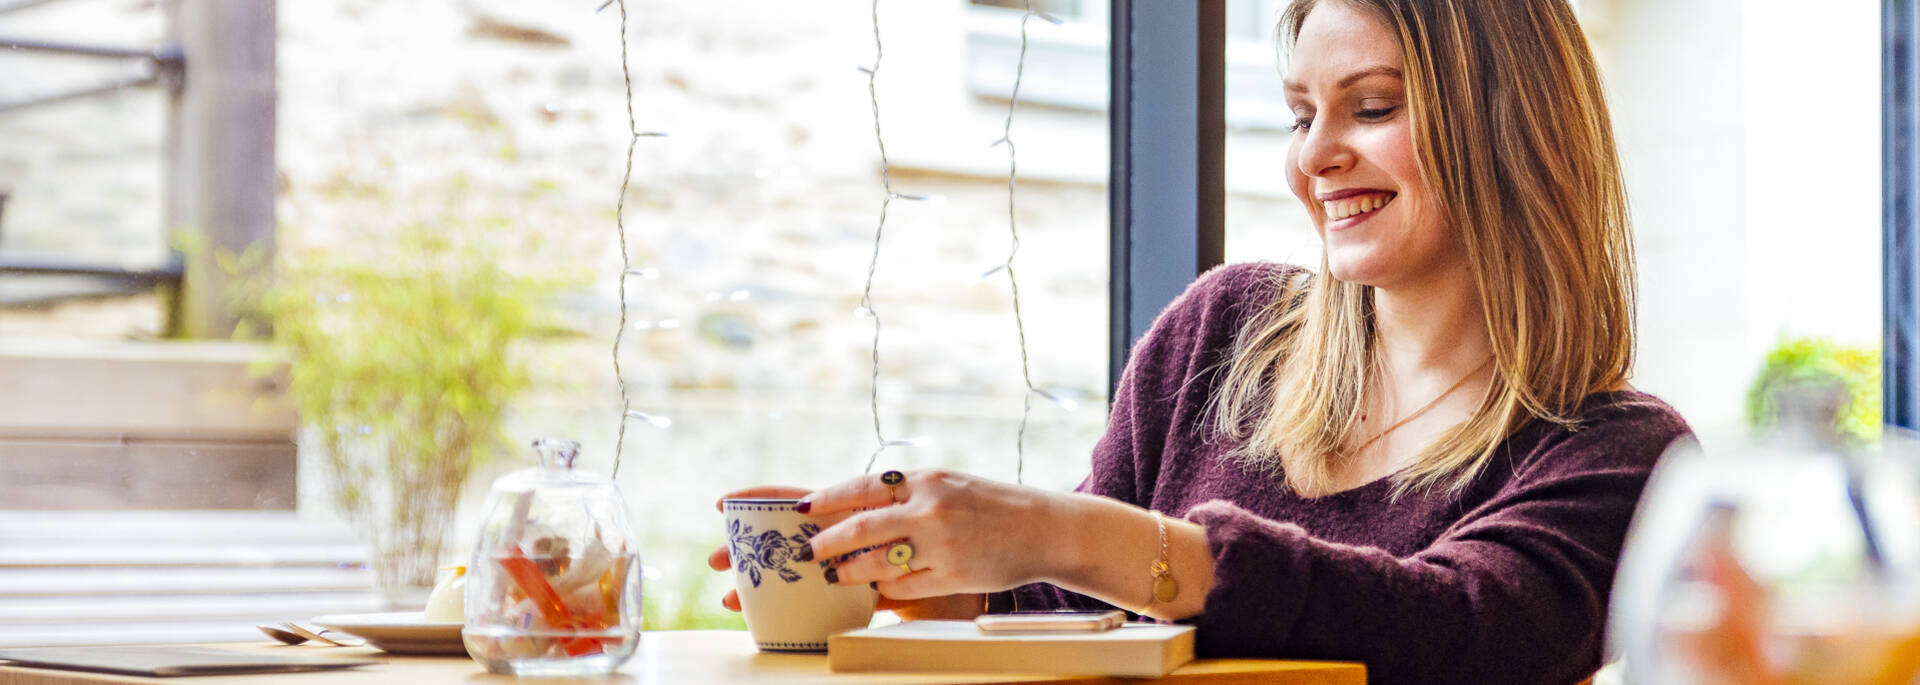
point(1422, 456)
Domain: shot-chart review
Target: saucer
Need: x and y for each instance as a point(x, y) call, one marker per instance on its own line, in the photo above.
point(405, 632)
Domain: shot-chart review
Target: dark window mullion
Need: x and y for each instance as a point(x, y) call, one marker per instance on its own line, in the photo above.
point(1167, 180)
point(1900, 188)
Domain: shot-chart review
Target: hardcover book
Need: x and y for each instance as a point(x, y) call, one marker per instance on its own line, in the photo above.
point(1146, 650)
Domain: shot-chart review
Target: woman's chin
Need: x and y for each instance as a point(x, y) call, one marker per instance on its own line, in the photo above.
point(1352, 268)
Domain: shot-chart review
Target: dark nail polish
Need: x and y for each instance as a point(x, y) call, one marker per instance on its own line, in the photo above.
point(875, 585)
point(805, 553)
point(833, 576)
point(803, 506)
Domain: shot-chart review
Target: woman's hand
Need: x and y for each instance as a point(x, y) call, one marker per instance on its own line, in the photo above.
point(959, 606)
point(969, 535)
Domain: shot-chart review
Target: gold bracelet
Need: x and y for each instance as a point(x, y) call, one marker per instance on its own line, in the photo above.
point(1164, 587)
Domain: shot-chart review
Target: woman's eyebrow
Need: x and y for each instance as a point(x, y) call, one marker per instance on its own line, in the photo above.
point(1350, 79)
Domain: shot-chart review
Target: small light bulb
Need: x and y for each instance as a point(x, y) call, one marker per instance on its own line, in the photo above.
point(1059, 399)
point(654, 419)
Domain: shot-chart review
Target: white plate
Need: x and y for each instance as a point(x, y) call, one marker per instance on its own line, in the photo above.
point(405, 632)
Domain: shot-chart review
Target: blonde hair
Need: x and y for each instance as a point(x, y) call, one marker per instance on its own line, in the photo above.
point(1511, 130)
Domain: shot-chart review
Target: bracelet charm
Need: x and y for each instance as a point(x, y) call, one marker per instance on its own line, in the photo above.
point(1164, 587)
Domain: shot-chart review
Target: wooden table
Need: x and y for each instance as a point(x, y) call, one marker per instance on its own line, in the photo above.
point(710, 657)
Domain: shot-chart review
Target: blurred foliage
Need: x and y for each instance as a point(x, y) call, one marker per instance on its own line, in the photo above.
point(403, 367)
point(1812, 362)
point(695, 598)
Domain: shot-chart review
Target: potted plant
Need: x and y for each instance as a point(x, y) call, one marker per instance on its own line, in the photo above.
point(402, 368)
point(1844, 380)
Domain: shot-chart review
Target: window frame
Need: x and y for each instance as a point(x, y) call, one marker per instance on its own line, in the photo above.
point(1900, 189)
point(1167, 189)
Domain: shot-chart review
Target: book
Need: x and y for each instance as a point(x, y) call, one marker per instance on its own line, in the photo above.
point(1147, 650)
point(168, 661)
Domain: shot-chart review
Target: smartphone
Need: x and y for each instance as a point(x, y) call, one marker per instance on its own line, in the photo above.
point(1050, 621)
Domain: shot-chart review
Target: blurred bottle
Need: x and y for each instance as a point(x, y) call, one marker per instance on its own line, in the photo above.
point(1790, 559)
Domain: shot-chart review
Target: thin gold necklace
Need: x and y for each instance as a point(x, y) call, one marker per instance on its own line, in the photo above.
point(1423, 409)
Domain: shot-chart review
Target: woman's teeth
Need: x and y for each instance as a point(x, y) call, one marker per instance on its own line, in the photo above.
point(1361, 204)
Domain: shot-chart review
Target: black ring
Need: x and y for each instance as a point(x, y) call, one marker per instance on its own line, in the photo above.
point(893, 479)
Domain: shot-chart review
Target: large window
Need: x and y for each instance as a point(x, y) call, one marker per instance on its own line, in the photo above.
point(1741, 241)
point(753, 221)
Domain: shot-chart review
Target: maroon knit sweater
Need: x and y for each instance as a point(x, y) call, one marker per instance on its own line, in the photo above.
point(1505, 583)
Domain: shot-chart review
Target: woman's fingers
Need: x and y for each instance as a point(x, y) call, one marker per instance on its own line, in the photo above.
point(865, 492)
point(860, 531)
point(913, 586)
point(872, 567)
point(773, 491)
point(731, 601)
point(720, 559)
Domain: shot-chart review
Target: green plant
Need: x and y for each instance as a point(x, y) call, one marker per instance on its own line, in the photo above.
point(402, 369)
point(692, 599)
point(1812, 362)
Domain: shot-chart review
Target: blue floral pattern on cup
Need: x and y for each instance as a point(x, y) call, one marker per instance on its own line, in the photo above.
point(767, 552)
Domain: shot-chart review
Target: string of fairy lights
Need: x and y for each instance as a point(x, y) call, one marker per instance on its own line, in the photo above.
point(627, 411)
point(1013, 229)
point(881, 443)
point(866, 309)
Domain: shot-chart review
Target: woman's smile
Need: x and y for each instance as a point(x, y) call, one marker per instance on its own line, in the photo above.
point(1348, 208)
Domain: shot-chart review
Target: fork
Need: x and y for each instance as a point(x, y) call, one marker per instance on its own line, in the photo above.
point(321, 636)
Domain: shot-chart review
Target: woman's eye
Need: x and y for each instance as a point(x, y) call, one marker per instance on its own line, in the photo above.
point(1375, 114)
point(1300, 124)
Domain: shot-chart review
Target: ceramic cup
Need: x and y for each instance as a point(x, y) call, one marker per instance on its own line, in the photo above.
point(788, 604)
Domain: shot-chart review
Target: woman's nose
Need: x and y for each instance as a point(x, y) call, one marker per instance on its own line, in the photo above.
point(1323, 152)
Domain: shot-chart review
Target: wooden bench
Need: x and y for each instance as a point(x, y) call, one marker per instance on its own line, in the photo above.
point(87, 424)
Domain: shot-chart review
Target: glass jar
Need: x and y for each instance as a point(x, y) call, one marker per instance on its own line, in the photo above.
point(554, 584)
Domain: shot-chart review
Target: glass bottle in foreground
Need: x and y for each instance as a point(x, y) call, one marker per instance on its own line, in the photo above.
point(554, 584)
point(1791, 559)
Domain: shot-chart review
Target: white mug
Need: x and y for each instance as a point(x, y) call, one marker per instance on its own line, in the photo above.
point(788, 604)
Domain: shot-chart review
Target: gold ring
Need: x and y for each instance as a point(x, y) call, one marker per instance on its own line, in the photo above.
point(893, 479)
point(899, 554)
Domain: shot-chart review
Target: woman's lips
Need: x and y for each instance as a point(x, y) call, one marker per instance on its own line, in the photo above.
point(1349, 205)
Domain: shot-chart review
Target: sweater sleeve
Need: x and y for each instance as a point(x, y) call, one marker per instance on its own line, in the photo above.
point(1514, 592)
point(1154, 394)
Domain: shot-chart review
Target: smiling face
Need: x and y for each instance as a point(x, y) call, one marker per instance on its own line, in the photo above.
point(1352, 161)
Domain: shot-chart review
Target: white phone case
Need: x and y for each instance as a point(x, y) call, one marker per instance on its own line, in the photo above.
point(1052, 622)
